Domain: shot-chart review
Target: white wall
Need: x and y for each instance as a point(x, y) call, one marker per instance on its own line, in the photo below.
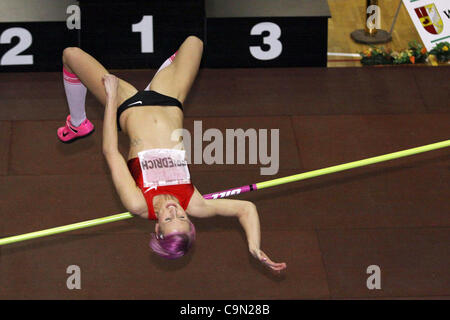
point(34, 10)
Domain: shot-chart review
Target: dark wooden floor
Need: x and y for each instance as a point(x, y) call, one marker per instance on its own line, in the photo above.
point(328, 230)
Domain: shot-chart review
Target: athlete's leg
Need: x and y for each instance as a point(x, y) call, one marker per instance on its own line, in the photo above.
point(81, 72)
point(165, 64)
point(76, 97)
point(176, 79)
point(91, 72)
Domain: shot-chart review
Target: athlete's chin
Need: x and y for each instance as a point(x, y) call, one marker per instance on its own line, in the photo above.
point(171, 204)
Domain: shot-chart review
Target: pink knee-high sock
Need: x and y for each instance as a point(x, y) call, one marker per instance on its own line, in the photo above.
point(76, 97)
point(164, 65)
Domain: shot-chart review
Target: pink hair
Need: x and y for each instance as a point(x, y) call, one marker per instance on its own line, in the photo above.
point(174, 245)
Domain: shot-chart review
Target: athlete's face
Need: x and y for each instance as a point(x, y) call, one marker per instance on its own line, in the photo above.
point(172, 218)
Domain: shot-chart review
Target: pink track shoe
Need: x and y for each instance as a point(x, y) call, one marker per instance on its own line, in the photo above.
point(70, 133)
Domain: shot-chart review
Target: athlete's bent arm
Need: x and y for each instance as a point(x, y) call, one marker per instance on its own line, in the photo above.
point(110, 144)
point(129, 193)
point(247, 214)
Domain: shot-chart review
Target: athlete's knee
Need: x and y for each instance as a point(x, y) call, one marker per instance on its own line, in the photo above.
point(70, 54)
point(195, 41)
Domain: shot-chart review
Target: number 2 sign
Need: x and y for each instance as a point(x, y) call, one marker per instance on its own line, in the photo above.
point(12, 56)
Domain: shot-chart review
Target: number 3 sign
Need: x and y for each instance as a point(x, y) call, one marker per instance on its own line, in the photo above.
point(234, 42)
point(276, 47)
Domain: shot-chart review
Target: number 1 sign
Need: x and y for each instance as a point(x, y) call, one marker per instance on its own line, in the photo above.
point(145, 27)
point(142, 35)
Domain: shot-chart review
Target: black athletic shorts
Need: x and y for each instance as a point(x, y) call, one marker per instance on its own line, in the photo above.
point(147, 98)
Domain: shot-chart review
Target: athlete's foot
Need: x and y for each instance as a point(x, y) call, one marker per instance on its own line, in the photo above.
point(69, 133)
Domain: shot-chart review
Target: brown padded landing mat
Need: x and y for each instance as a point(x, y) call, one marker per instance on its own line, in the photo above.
point(328, 229)
point(259, 92)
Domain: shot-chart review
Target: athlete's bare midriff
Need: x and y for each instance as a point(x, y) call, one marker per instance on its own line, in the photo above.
point(151, 127)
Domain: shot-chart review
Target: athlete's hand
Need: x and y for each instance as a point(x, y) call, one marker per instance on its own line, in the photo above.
point(111, 83)
point(264, 259)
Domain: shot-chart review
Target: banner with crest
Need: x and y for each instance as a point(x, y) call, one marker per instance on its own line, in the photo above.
point(432, 20)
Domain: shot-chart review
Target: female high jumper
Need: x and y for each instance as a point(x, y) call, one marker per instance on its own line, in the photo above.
point(154, 183)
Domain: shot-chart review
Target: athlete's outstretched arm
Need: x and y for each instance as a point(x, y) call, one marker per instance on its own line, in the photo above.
point(129, 193)
point(247, 214)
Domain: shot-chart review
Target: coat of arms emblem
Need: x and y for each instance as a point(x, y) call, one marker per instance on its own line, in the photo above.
point(430, 18)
